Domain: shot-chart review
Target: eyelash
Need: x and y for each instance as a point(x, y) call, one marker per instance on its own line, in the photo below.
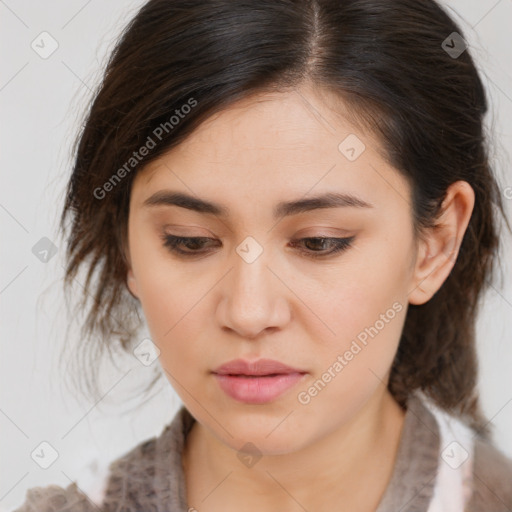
point(172, 242)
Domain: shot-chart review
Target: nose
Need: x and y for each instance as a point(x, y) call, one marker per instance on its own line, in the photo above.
point(254, 298)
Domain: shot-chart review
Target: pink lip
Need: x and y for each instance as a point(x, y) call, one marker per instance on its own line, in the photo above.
point(259, 367)
point(257, 382)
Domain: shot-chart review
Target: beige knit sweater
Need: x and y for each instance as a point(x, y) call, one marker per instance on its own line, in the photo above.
point(149, 478)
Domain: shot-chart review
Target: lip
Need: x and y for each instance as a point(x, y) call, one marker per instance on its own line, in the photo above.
point(258, 367)
point(256, 382)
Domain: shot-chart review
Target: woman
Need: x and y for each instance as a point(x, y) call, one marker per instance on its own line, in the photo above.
point(297, 196)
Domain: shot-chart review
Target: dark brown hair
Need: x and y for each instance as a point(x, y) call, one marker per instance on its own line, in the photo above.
point(385, 60)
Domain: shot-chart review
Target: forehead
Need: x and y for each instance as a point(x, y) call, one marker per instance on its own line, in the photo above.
point(294, 124)
point(272, 146)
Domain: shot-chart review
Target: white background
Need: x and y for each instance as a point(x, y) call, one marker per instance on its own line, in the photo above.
point(40, 101)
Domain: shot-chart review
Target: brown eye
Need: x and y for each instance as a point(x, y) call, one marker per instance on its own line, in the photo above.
point(337, 244)
point(315, 246)
point(193, 244)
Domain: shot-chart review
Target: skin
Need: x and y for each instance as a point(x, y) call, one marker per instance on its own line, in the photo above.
point(209, 309)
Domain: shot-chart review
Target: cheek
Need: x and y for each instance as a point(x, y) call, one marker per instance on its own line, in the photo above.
point(174, 303)
point(364, 305)
point(174, 321)
point(367, 292)
point(367, 318)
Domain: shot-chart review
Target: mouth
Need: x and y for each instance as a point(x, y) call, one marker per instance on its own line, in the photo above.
point(259, 382)
point(251, 376)
point(258, 368)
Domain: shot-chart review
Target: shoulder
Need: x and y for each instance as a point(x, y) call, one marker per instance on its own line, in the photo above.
point(472, 473)
point(54, 498)
point(129, 480)
point(150, 476)
point(136, 465)
point(131, 477)
point(147, 477)
point(492, 478)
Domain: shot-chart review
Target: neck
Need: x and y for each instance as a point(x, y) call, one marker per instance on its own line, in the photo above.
point(352, 465)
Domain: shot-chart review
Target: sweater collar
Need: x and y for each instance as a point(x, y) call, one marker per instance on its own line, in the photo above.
point(411, 485)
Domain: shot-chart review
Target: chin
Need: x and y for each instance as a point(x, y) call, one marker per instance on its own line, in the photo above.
point(267, 437)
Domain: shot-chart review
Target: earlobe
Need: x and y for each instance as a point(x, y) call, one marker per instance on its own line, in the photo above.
point(439, 248)
point(433, 267)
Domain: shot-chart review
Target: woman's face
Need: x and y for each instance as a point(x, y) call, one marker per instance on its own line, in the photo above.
point(254, 289)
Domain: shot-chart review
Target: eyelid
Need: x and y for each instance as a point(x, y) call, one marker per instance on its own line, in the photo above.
point(176, 231)
point(341, 244)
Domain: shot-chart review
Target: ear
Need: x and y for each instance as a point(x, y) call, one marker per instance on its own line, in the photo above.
point(439, 247)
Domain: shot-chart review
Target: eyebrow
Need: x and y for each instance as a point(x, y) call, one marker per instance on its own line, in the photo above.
point(282, 209)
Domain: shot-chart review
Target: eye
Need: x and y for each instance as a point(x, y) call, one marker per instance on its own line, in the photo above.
point(337, 244)
point(196, 245)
